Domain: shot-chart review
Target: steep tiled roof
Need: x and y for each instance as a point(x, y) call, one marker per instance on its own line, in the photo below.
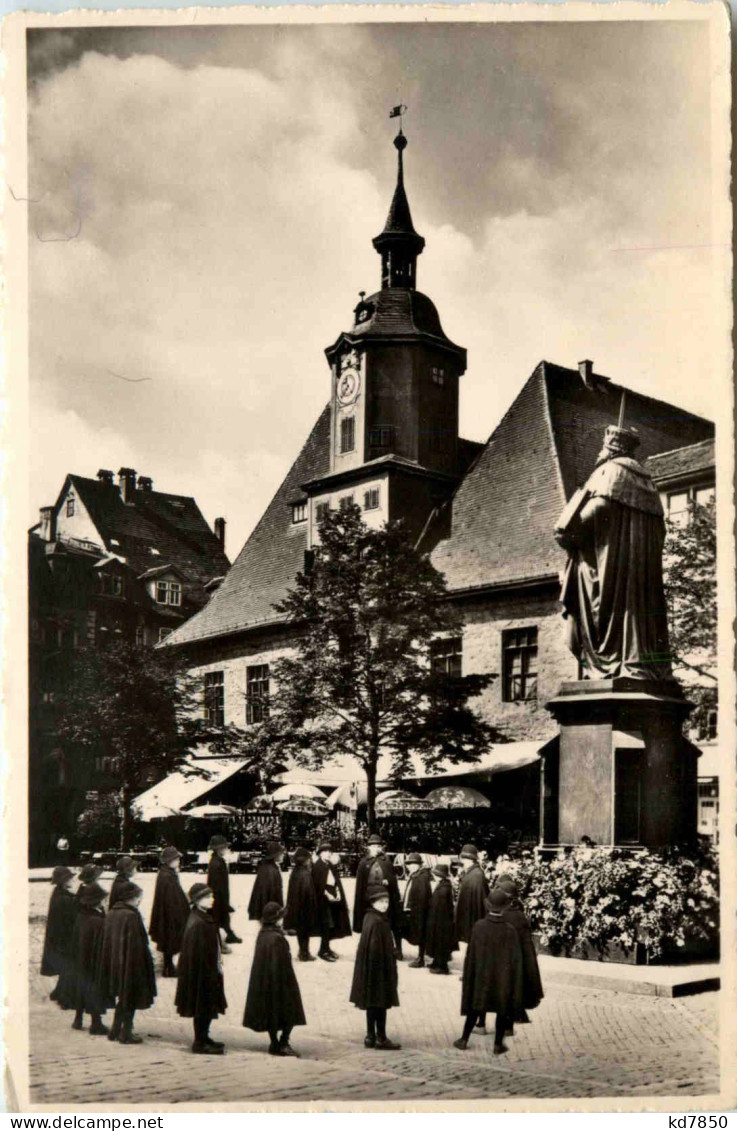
point(266, 566)
point(683, 462)
point(171, 524)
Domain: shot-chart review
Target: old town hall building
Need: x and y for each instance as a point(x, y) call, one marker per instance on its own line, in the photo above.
point(388, 440)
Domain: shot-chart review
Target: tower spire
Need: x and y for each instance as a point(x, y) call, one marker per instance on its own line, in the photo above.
point(399, 244)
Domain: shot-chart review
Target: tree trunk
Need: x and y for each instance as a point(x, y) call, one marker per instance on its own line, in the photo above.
point(125, 817)
point(371, 794)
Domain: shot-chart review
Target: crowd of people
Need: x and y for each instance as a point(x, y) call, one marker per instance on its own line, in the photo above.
point(103, 959)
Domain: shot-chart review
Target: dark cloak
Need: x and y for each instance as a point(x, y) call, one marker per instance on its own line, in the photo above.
point(273, 1001)
point(416, 907)
point(126, 970)
point(169, 913)
point(118, 882)
point(301, 911)
point(377, 870)
point(219, 880)
point(441, 938)
point(267, 888)
point(87, 941)
point(63, 909)
point(200, 988)
point(492, 971)
point(612, 594)
point(333, 917)
point(471, 904)
point(532, 987)
point(375, 972)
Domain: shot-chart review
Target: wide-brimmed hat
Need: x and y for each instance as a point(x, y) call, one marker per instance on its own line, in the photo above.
point(197, 891)
point(413, 858)
point(469, 852)
point(125, 865)
point(509, 886)
point(498, 899)
point(92, 895)
point(218, 841)
point(61, 874)
point(169, 853)
point(376, 891)
point(375, 839)
point(272, 913)
point(301, 855)
point(442, 871)
point(273, 849)
point(502, 878)
point(90, 873)
point(127, 891)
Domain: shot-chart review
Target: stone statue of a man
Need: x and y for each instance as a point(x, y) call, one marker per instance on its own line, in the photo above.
point(612, 593)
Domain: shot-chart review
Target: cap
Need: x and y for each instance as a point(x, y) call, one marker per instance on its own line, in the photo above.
point(125, 864)
point(61, 874)
point(498, 899)
point(127, 891)
point(441, 870)
point(218, 841)
point(470, 852)
point(169, 853)
point(274, 849)
point(413, 858)
point(272, 913)
point(376, 891)
point(197, 891)
point(375, 839)
point(301, 855)
point(90, 873)
point(92, 894)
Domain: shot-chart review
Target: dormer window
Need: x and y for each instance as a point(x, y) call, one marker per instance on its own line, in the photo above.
point(70, 508)
point(168, 593)
point(111, 585)
point(299, 512)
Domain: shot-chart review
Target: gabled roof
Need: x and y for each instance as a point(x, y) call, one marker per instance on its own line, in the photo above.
point(171, 524)
point(695, 459)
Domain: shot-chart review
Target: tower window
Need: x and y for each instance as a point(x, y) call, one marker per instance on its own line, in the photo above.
point(299, 512)
point(371, 499)
point(347, 434)
point(438, 375)
point(381, 437)
point(519, 648)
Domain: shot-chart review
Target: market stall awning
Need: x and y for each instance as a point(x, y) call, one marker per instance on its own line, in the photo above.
point(182, 788)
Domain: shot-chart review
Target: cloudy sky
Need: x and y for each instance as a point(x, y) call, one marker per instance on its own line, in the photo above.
point(206, 197)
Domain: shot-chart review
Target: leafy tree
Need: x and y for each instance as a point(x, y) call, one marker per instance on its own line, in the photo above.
point(689, 573)
point(361, 680)
point(138, 708)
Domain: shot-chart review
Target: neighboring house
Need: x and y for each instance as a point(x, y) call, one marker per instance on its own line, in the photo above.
point(388, 440)
point(107, 561)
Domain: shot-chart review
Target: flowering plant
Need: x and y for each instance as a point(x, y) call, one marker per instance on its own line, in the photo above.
point(597, 897)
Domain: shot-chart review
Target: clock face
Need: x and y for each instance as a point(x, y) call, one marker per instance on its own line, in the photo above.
point(349, 384)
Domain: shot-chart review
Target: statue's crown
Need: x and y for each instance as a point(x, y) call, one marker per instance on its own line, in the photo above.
point(624, 440)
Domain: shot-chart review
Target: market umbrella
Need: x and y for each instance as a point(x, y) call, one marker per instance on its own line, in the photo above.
point(307, 806)
point(457, 797)
point(211, 812)
point(299, 789)
point(400, 801)
point(348, 796)
point(262, 804)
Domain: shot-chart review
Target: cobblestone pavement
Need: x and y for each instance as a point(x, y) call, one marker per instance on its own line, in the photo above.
point(582, 1042)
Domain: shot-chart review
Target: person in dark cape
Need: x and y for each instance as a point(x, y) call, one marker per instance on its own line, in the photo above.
point(200, 987)
point(125, 870)
point(268, 887)
point(273, 1002)
point(90, 874)
point(301, 911)
point(87, 945)
point(376, 868)
point(126, 968)
point(492, 973)
point(332, 906)
point(57, 950)
point(441, 938)
point(532, 987)
point(416, 906)
point(612, 594)
point(218, 880)
point(375, 977)
point(472, 895)
point(170, 910)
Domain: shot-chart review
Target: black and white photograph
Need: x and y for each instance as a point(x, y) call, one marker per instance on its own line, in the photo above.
point(373, 425)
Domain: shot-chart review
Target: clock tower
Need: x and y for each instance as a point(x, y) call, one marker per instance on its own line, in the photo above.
point(394, 403)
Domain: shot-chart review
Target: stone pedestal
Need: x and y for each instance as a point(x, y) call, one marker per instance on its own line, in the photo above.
point(622, 772)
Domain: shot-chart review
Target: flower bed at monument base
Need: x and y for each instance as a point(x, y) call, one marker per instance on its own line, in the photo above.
point(615, 905)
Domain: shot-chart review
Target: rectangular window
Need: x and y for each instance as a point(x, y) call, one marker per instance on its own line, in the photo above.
point(627, 797)
point(257, 693)
point(168, 593)
point(371, 499)
point(321, 510)
point(446, 656)
point(347, 433)
point(678, 508)
point(519, 649)
point(111, 585)
point(704, 495)
point(215, 698)
point(299, 512)
point(164, 632)
point(710, 730)
point(345, 502)
point(381, 437)
point(438, 375)
point(70, 508)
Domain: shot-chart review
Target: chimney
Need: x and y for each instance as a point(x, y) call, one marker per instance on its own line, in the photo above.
point(47, 517)
point(219, 528)
point(145, 484)
point(107, 478)
point(586, 369)
point(127, 484)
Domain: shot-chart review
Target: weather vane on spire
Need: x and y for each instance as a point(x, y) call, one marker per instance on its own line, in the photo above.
point(396, 112)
